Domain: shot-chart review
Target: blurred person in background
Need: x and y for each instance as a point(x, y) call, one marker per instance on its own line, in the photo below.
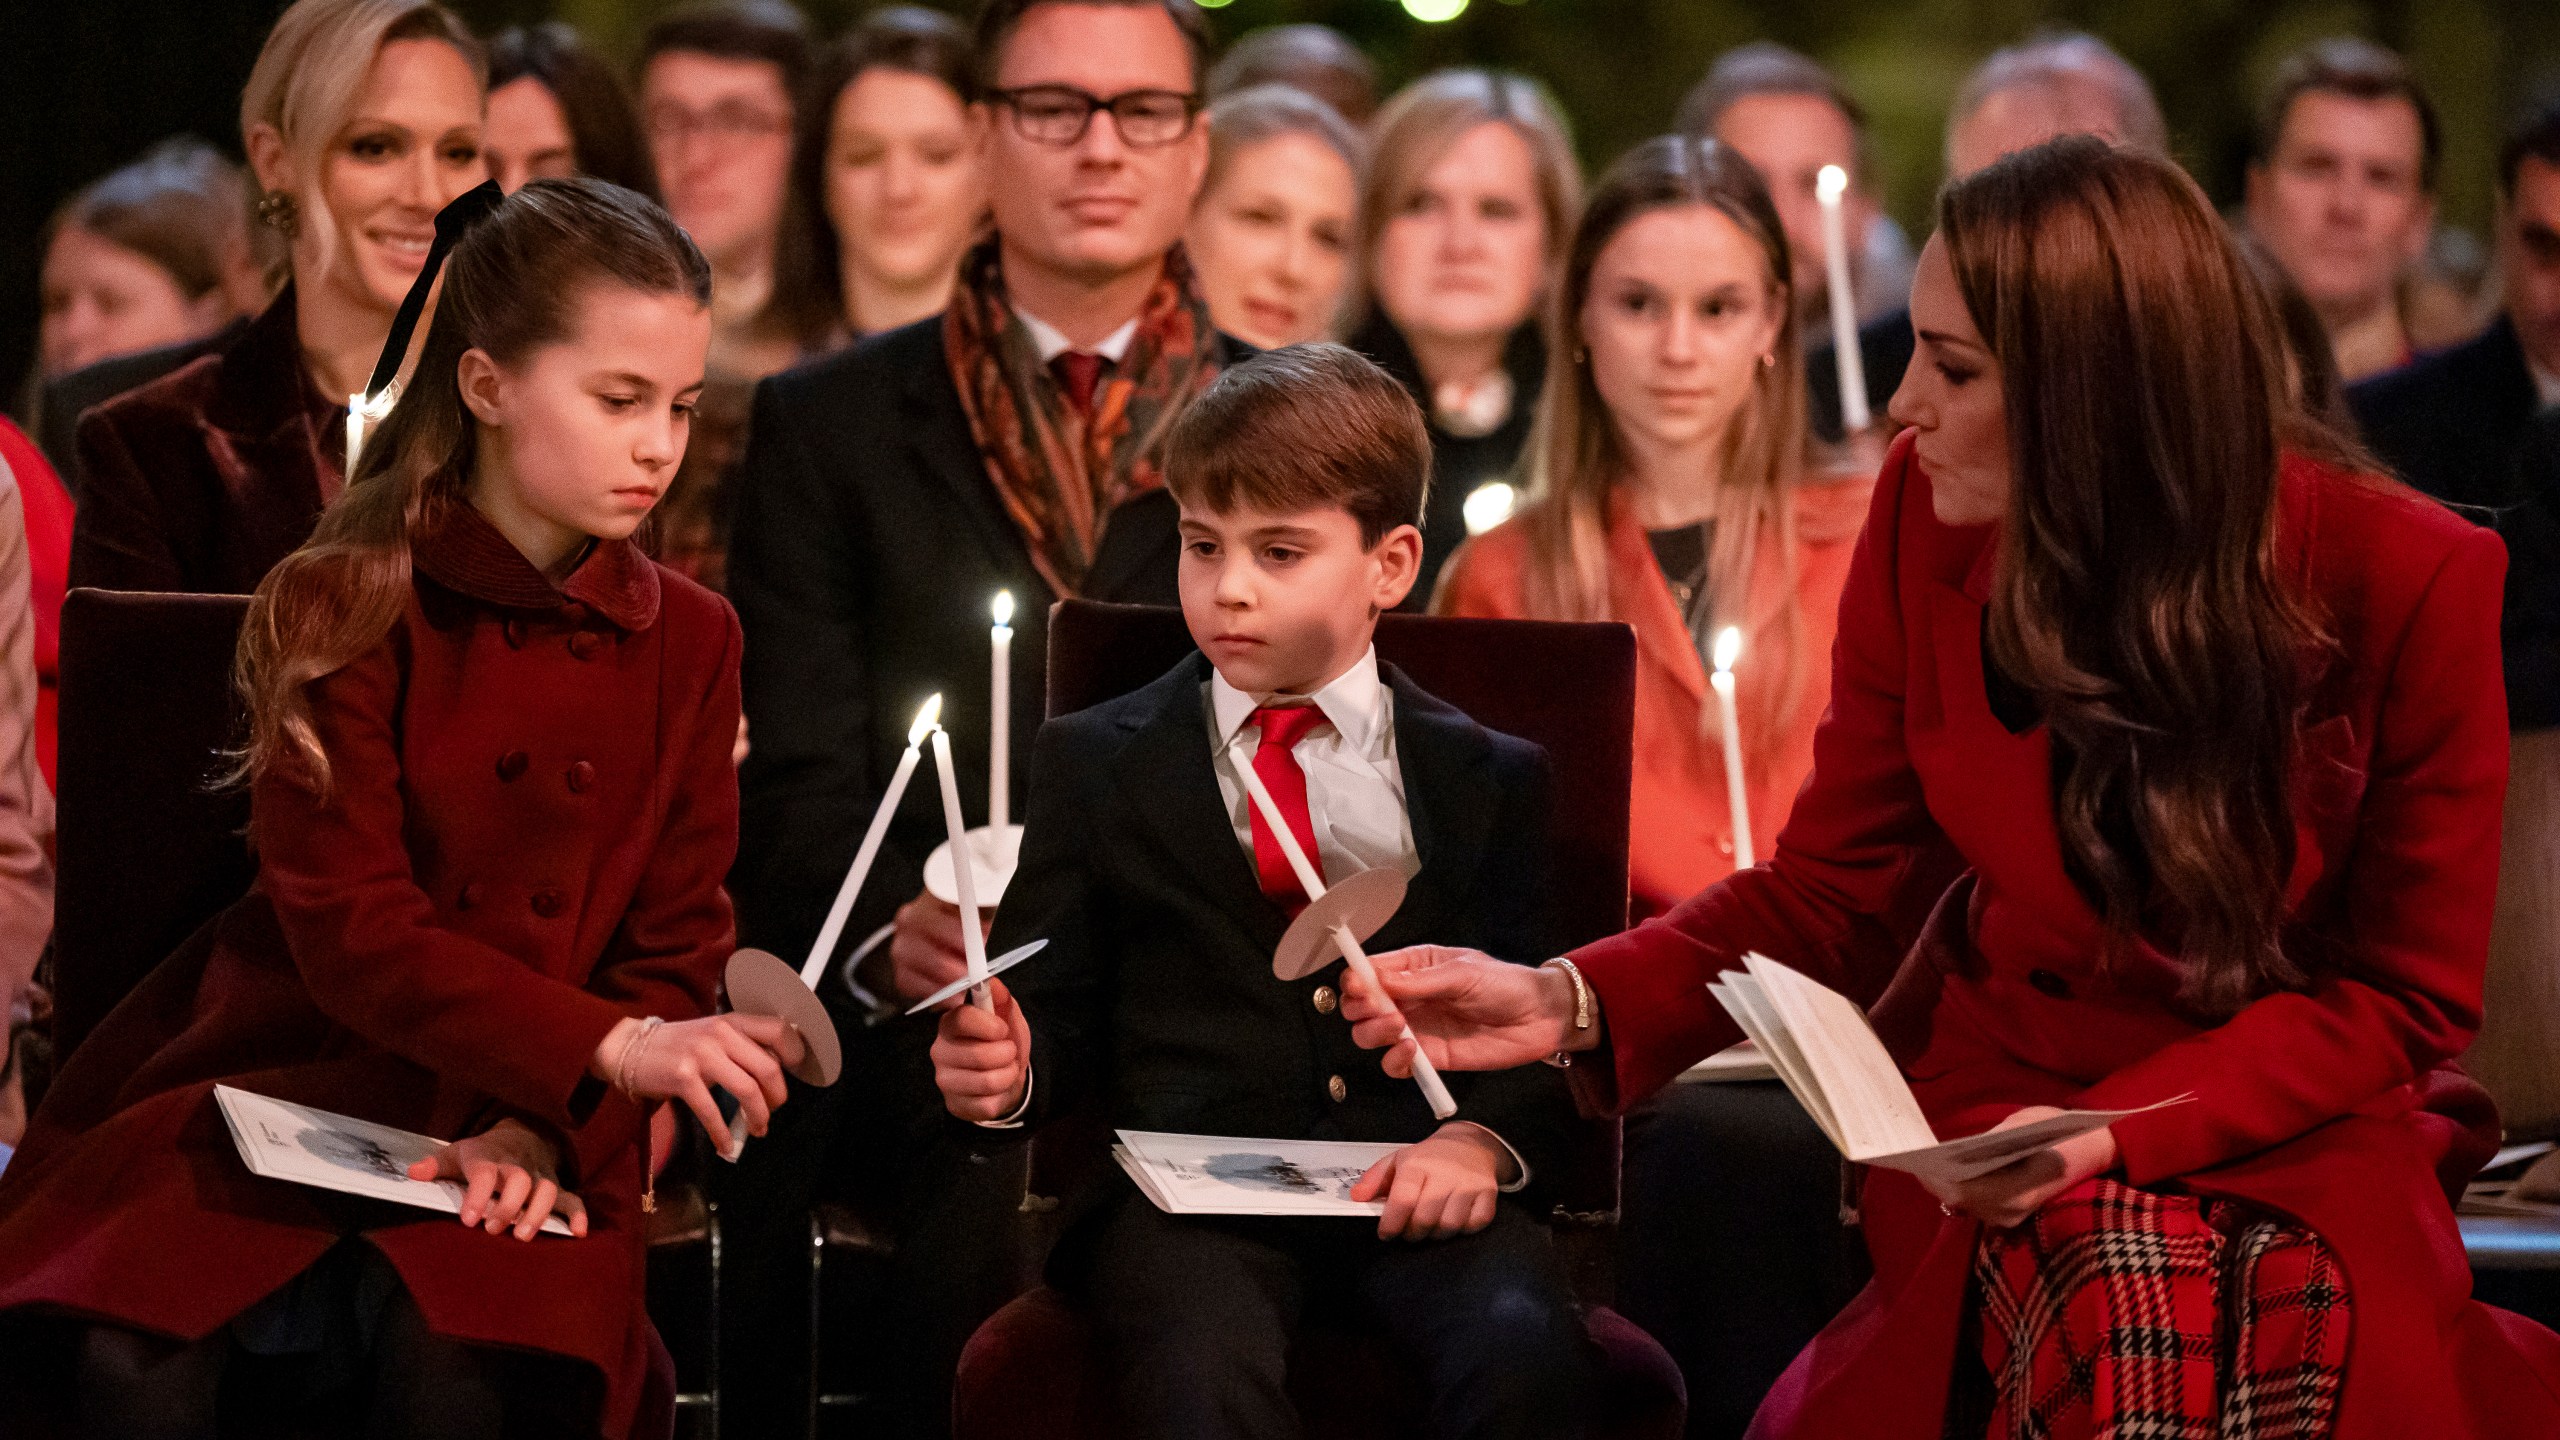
point(720, 87)
point(1468, 203)
point(144, 270)
point(1790, 118)
point(1317, 59)
point(556, 109)
point(2455, 424)
point(361, 119)
point(2053, 83)
point(2342, 193)
point(890, 174)
point(1271, 235)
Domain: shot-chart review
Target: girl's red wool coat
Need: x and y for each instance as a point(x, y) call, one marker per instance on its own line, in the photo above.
point(532, 810)
point(2339, 1106)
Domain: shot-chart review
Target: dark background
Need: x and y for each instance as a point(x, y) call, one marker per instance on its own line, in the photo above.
point(87, 84)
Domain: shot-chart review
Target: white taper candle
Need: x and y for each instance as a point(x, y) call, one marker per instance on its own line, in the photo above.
point(1425, 1074)
point(1728, 647)
point(1831, 186)
point(815, 968)
point(973, 942)
point(1000, 731)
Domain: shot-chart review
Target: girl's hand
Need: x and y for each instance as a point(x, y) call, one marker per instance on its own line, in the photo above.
point(684, 1059)
point(981, 1058)
point(510, 1177)
point(1442, 1188)
point(1471, 1011)
point(2017, 1191)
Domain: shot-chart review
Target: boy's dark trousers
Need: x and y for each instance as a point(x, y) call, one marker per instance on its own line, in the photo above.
point(1197, 1314)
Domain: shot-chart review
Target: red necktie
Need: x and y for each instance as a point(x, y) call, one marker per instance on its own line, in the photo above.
point(1079, 372)
point(1283, 726)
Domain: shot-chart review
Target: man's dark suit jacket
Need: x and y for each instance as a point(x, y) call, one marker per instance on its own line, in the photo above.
point(68, 397)
point(868, 543)
point(1885, 346)
point(2454, 423)
point(1155, 993)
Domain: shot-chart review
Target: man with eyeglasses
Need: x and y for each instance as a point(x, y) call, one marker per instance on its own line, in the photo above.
point(887, 494)
point(719, 88)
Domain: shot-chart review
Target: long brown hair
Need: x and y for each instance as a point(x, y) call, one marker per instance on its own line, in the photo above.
point(1574, 456)
point(2138, 594)
point(511, 286)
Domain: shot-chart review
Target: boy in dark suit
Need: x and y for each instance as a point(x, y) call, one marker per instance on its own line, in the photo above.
point(1162, 894)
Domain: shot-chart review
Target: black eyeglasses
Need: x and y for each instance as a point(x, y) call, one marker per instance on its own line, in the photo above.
point(1060, 114)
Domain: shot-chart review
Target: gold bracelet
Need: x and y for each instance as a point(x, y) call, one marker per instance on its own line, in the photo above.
point(631, 1049)
point(1563, 1060)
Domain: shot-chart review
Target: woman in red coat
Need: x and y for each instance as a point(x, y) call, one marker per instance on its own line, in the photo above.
point(493, 805)
point(2216, 729)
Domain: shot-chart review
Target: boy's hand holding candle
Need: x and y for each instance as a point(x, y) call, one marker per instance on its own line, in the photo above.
point(982, 1058)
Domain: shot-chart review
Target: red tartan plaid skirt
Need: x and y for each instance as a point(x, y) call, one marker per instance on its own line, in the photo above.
point(2121, 1314)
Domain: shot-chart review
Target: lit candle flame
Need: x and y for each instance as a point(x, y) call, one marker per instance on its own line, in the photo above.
point(926, 719)
point(1002, 609)
point(1830, 183)
point(1728, 647)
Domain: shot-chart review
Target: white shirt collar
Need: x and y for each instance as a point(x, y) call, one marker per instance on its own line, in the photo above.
point(1053, 343)
point(1352, 702)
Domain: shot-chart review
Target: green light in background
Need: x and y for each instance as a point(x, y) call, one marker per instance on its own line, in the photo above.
point(1435, 11)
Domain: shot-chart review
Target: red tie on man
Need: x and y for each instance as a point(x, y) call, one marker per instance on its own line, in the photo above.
point(1079, 373)
point(1275, 760)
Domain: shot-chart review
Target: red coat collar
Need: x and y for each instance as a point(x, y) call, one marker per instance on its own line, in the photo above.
point(466, 554)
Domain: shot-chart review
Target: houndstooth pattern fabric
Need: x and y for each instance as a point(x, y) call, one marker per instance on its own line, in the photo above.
point(2124, 1314)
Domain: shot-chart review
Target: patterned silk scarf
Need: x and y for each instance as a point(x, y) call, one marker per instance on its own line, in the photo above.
point(1059, 473)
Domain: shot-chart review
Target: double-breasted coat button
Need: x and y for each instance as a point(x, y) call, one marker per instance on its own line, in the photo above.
point(515, 632)
point(1324, 998)
point(2049, 984)
point(511, 765)
point(1336, 1088)
point(585, 644)
point(581, 775)
point(467, 896)
point(547, 903)
point(574, 613)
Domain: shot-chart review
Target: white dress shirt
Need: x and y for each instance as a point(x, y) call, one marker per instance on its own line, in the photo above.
point(1355, 789)
point(1054, 343)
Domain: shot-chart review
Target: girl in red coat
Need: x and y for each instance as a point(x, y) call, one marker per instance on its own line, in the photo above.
point(2217, 732)
point(492, 804)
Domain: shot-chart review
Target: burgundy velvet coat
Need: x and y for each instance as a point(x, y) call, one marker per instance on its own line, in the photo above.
point(533, 809)
point(2337, 1106)
point(203, 479)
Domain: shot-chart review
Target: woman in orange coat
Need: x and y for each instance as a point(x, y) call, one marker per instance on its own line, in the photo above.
point(1669, 493)
point(1667, 485)
point(2216, 725)
point(493, 806)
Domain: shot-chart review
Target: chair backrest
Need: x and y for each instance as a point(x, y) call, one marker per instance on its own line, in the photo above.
point(148, 849)
point(1568, 687)
point(2514, 1057)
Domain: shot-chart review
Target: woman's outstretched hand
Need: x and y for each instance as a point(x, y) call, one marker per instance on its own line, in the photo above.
point(2018, 1190)
point(687, 1059)
point(1469, 1010)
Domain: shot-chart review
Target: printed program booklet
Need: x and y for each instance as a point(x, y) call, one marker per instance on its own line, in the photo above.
point(285, 1141)
point(1832, 1062)
point(1217, 1175)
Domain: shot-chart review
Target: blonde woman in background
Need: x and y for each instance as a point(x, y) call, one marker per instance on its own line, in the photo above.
point(1470, 196)
point(1270, 238)
point(362, 119)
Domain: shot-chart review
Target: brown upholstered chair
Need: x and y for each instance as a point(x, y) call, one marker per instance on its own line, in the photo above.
point(149, 848)
point(1032, 1372)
